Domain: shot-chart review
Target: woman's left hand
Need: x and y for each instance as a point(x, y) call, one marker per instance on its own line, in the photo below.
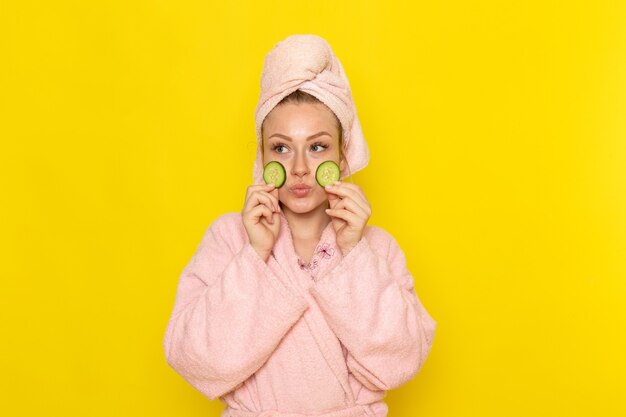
point(349, 211)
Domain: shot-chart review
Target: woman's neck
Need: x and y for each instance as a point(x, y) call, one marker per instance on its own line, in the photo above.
point(305, 226)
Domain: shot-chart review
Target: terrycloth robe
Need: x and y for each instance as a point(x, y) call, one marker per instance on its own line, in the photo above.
point(285, 338)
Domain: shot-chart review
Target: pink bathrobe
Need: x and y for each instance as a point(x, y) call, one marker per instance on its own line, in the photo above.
point(287, 339)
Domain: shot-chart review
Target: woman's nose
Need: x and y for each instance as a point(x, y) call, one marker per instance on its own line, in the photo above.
point(300, 166)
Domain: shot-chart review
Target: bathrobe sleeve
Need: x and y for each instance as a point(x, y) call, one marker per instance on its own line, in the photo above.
point(229, 315)
point(370, 303)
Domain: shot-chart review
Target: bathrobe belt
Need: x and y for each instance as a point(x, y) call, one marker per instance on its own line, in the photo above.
point(358, 410)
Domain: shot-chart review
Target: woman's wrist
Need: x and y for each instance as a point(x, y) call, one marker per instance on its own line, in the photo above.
point(262, 254)
point(344, 252)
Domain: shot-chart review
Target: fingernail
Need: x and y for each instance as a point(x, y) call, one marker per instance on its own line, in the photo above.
point(328, 186)
point(337, 182)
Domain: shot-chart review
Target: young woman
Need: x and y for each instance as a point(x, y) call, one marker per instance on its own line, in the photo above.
point(295, 306)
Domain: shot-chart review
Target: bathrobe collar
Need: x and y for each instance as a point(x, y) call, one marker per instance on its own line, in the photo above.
point(325, 256)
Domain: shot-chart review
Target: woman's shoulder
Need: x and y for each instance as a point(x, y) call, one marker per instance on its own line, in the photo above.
point(376, 233)
point(379, 239)
point(229, 229)
point(231, 219)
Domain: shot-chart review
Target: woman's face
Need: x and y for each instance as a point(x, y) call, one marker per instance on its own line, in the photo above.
point(301, 136)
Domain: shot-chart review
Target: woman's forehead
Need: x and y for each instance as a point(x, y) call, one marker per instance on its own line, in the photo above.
point(300, 122)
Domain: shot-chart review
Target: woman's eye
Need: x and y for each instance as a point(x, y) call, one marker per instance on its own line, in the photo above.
point(320, 147)
point(278, 147)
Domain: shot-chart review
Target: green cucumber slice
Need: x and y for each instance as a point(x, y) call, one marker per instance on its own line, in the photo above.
point(274, 173)
point(327, 173)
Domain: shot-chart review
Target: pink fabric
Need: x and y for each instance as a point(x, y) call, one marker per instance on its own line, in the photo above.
point(306, 62)
point(280, 338)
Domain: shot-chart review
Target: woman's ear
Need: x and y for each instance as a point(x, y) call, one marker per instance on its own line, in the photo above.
point(342, 164)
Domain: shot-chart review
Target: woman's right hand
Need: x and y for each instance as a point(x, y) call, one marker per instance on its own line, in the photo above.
point(261, 217)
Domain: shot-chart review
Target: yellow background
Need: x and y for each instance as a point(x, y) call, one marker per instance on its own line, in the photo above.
point(498, 140)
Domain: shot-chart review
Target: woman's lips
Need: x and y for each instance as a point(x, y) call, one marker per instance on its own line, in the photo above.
point(301, 191)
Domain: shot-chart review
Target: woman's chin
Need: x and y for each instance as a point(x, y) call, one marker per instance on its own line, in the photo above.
point(302, 205)
point(300, 208)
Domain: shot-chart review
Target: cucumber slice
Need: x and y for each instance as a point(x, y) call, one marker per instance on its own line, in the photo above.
point(274, 173)
point(327, 173)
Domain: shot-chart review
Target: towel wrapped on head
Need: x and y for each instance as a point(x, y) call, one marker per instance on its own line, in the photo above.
point(306, 62)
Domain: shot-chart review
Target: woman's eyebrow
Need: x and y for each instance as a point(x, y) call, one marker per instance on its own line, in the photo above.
point(309, 138)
